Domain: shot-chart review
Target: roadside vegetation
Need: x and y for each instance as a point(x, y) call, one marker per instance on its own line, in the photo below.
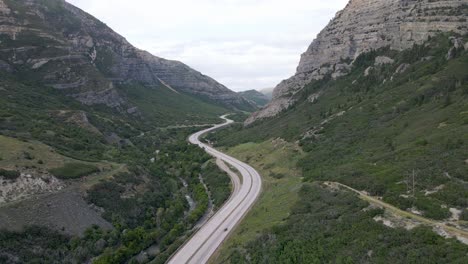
point(217, 182)
point(9, 174)
point(278, 195)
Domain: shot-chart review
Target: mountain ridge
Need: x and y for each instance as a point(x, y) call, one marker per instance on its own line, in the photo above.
point(362, 26)
point(68, 49)
point(259, 98)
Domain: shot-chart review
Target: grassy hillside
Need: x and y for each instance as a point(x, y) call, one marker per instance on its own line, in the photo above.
point(105, 155)
point(373, 132)
point(276, 161)
point(162, 106)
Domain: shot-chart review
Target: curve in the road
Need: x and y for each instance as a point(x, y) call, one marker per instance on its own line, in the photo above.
point(203, 244)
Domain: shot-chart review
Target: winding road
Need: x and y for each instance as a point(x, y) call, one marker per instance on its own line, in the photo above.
point(203, 244)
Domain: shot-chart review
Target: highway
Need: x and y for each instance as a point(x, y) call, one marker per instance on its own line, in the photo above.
point(204, 243)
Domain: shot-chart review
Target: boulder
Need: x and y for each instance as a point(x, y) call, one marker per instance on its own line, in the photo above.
point(382, 60)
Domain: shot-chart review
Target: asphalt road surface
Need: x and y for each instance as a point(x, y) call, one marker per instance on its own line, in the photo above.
point(203, 244)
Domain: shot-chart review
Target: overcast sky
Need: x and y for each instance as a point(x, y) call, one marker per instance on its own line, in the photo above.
point(243, 44)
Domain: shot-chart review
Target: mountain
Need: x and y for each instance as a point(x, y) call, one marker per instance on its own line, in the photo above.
point(53, 43)
point(362, 26)
point(268, 92)
point(255, 96)
point(367, 142)
point(94, 161)
point(396, 132)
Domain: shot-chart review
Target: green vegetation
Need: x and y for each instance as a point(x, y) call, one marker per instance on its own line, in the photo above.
point(156, 213)
point(34, 245)
point(74, 170)
point(256, 97)
point(29, 113)
point(42, 129)
point(372, 133)
point(239, 116)
point(464, 215)
point(9, 174)
point(162, 106)
point(139, 159)
point(332, 227)
point(218, 184)
point(144, 202)
point(278, 195)
point(20, 155)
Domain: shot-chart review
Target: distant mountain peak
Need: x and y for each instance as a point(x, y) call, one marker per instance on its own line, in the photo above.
point(255, 96)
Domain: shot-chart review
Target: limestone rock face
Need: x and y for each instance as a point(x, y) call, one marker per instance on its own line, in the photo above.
point(68, 49)
point(381, 60)
point(4, 8)
point(364, 25)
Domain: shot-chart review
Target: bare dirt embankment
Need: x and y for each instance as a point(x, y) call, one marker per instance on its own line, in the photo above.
point(38, 198)
point(65, 211)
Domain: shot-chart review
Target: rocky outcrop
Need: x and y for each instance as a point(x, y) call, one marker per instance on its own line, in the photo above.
point(61, 46)
point(362, 26)
point(27, 185)
point(4, 8)
point(382, 60)
point(78, 118)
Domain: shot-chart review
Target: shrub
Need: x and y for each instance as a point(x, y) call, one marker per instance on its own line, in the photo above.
point(73, 170)
point(277, 175)
point(28, 155)
point(464, 215)
point(126, 178)
point(422, 142)
point(10, 175)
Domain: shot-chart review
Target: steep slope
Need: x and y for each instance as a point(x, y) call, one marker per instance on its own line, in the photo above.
point(255, 96)
point(365, 25)
point(56, 44)
point(88, 148)
point(397, 131)
point(268, 92)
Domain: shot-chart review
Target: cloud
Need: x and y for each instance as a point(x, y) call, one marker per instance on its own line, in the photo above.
point(243, 44)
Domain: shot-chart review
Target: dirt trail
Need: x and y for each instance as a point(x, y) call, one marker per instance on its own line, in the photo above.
point(461, 234)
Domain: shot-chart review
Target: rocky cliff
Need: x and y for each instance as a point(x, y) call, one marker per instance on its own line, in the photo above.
point(365, 25)
point(57, 44)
